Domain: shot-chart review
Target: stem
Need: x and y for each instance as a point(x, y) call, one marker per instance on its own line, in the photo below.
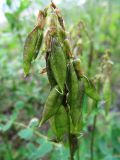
point(93, 138)
point(37, 133)
point(69, 135)
point(70, 145)
point(72, 139)
point(73, 142)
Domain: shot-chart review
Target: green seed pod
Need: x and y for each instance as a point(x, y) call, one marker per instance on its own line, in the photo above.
point(67, 48)
point(52, 104)
point(58, 64)
point(59, 123)
point(73, 88)
point(61, 34)
point(52, 20)
point(107, 95)
point(29, 49)
point(49, 71)
point(76, 112)
point(78, 68)
point(90, 89)
point(38, 43)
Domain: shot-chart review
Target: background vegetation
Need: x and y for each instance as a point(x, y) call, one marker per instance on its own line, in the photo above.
point(22, 99)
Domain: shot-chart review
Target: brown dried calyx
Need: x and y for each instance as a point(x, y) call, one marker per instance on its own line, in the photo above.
point(41, 19)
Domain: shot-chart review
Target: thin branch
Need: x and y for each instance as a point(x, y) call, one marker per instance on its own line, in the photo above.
point(18, 124)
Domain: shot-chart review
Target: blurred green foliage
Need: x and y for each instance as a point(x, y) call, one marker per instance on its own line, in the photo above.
point(22, 99)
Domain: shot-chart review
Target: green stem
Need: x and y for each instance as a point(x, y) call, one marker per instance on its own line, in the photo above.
point(93, 138)
point(18, 124)
point(69, 136)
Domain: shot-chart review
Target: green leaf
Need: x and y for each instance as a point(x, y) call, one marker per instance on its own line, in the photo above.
point(19, 105)
point(45, 147)
point(11, 19)
point(26, 133)
point(9, 2)
point(60, 153)
point(58, 64)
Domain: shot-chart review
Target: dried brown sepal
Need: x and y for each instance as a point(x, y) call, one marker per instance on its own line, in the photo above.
point(53, 5)
point(41, 19)
point(44, 70)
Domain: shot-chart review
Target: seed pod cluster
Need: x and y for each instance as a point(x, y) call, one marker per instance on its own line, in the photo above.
point(63, 107)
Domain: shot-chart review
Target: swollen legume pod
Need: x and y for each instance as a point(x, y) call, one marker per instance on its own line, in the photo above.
point(90, 89)
point(58, 63)
point(49, 71)
point(59, 122)
point(29, 49)
point(38, 43)
point(76, 112)
point(78, 68)
point(73, 88)
point(52, 104)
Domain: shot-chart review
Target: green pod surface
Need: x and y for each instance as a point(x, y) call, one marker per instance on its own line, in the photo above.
point(52, 104)
point(49, 71)
point(78, 68)
point(59, 122)
point(61, 34)
point(29, 49)
point(90, 89)
point(67, 48)
point(76, 112)
point(52, 20)
point(58, 63)
point(38, 43)
point(73, 88)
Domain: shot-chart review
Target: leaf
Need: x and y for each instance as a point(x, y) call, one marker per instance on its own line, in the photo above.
point(9, 2)
point(10, 122)
point(19, 105)
point(26, 133)
point(45, 147)
point(60, 153)
point(11, 19)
